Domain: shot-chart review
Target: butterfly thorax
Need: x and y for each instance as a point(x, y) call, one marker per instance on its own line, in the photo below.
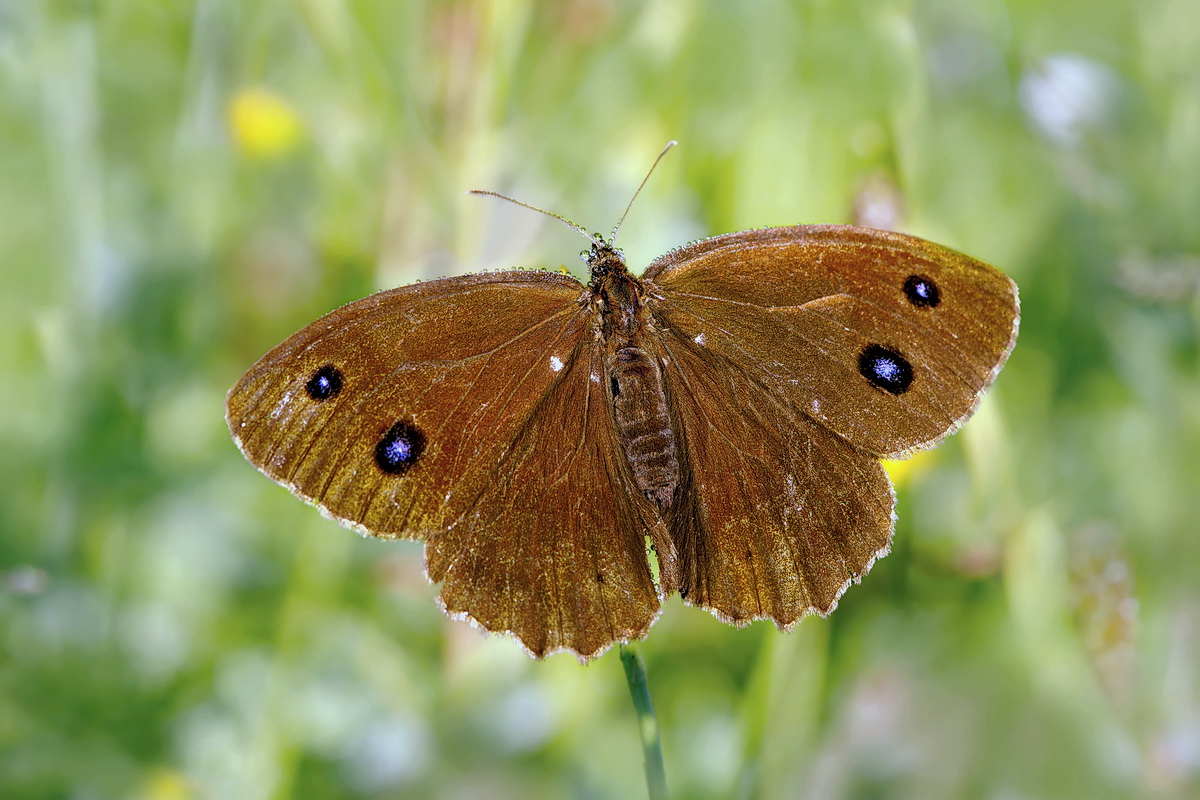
point(635, 387)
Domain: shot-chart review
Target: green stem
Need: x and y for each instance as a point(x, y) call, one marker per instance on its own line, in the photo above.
point(639, 689)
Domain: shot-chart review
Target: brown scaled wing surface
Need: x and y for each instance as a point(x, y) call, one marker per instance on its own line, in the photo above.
point(530, 520)
point(785, 500)
point(531, 517)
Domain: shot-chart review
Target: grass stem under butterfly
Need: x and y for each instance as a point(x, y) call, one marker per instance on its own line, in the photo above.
point(639, 690)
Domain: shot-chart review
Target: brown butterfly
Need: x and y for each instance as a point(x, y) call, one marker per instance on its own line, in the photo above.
point(731, 406)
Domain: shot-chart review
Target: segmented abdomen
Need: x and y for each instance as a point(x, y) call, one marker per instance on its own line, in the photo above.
point(644, 423)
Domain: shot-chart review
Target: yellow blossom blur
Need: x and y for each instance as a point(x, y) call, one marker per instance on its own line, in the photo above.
point(166, 784)
point(903, 471)
point(263, 124)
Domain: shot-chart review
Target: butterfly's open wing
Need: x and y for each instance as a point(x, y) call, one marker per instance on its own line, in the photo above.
point(797, 357)
point(466, 412)
point(811, 311)
point(776, 514)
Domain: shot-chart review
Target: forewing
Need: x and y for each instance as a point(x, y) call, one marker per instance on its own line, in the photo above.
point(797, 309)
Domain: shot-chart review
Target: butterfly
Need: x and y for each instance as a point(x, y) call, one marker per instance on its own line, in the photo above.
point(724, 415)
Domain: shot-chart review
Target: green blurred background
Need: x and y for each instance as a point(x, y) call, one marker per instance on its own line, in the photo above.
point(184, 184)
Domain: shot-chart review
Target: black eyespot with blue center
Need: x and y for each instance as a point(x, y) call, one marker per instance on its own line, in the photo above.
point(885, 369)
point(325, 383)
point(400, 448)
point(921, 291)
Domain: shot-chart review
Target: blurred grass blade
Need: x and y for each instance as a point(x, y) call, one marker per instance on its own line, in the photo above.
point(639, 689)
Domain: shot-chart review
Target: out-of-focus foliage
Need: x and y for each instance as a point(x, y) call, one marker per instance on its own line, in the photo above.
point(183, 184)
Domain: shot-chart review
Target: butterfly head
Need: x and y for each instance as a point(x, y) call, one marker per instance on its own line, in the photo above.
point(603, 258)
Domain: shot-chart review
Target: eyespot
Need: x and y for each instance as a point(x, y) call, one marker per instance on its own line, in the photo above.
point(325, 383)
point(399, 450)
point(885, 369)
point(921, 291)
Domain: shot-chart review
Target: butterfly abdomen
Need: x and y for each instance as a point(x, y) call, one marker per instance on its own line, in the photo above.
point(643, 422)
point(636, 392)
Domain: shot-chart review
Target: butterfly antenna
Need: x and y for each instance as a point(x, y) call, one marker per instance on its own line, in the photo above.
point(612, 239)
point(582, 231)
